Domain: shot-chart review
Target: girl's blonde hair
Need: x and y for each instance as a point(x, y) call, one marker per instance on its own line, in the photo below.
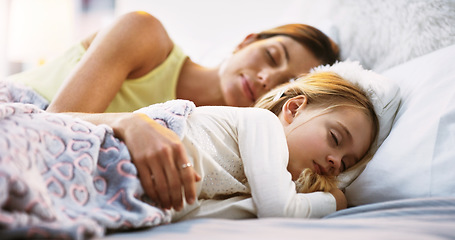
point(328, 91)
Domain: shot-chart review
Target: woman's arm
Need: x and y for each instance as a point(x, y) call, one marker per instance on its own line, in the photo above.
point(156, 151)
point(134, 45)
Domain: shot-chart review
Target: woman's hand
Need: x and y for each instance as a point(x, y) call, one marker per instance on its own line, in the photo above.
point(157, 154)
point(340, 198)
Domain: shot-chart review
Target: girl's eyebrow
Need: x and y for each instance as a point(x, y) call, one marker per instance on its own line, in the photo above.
point(348, 133)
point(285, 51)
point(346, 130)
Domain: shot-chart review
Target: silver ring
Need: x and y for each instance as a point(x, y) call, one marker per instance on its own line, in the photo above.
point(185, 165)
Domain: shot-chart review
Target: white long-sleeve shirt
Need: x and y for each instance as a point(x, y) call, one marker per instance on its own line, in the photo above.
point(242, 156)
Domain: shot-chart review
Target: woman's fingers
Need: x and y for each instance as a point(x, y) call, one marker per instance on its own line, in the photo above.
point(189, 177)
point(180, 175)
point(158, 153)
point(160, 184)
point(174, 191)
point(145, 176)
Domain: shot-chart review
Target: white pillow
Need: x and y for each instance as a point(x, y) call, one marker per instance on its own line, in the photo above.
point(383, 34)
point(418, 157)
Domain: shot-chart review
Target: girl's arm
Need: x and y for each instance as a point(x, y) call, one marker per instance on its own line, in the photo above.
point(156, 151)
point(263, 148)
point(340, 198)
point(134, 45)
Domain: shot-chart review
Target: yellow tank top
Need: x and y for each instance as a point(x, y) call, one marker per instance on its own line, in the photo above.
point(158, 85)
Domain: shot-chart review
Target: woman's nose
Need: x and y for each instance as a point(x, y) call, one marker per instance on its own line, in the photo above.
point(264, 78)
point(269, 79)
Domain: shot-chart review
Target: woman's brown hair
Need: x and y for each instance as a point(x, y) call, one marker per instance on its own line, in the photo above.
point(322, 47)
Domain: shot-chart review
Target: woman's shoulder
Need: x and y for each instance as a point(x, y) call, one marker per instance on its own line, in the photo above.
point(144, 28)
point(135, 25)
point(143, 39)
point(140, 19)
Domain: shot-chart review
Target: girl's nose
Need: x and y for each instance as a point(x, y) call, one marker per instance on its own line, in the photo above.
point(334, 164)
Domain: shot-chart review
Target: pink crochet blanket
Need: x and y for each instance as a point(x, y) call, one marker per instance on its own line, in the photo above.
point(64, 178)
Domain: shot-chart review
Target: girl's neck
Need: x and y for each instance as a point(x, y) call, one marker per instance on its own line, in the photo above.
point(199, 84)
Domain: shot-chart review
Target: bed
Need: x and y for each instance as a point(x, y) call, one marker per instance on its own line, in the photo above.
point(407, 191)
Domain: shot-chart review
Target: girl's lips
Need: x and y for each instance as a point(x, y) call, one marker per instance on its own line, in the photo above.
point(247, 90)
point(317, 168)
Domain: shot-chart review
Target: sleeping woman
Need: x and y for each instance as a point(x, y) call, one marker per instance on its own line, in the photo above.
point(315, 128)
point(134, 63)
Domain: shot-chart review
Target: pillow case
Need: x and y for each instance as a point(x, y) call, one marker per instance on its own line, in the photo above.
point(382, 34)
point(417, 159)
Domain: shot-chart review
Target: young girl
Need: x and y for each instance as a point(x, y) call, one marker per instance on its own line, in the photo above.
point(325, 125)
point(249, 159)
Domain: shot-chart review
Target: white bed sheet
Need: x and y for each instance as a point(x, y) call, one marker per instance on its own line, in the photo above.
point(423, 218)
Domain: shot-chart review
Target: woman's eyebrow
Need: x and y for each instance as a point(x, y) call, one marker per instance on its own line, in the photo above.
point(285, 51)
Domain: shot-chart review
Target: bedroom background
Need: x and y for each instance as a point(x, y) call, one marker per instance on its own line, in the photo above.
point(387, 36)
point(407, 191)
point(35, 31)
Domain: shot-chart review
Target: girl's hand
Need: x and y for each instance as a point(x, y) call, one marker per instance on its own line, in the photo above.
point(159, 156)
point(340, 198)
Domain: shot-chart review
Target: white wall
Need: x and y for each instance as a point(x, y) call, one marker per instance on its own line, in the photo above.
point(35, 31)
point(207, 30)
point(3, 36)
point(210, 29)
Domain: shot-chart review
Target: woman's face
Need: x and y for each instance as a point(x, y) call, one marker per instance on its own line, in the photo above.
point(327, 143)
point(258, 66)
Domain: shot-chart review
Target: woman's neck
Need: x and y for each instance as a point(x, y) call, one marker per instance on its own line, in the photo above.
point(199, 84)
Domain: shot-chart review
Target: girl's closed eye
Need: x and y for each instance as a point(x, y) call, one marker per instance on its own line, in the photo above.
point(335, 138)
point(343, 166)
point(270, 58)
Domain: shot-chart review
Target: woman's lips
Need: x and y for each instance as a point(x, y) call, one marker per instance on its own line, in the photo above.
point(247, 89)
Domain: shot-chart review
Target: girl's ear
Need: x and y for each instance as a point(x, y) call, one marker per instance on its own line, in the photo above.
point(249, 39)
point(292, 106)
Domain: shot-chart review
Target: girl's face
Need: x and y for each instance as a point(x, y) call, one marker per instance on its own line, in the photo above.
point(259, 65)
point(326, 142)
